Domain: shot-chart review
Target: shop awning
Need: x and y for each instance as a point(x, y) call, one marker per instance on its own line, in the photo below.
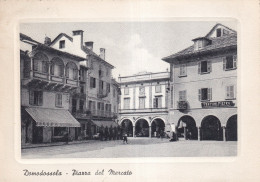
point(52, 117)
point(105, 123)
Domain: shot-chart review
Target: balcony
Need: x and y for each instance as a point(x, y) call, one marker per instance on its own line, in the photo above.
point(182, 105)
point(145, 110)
point(45, 81)
point(82, 114)
point(100, 113)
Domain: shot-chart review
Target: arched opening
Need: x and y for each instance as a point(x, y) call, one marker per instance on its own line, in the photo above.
point(186, 128)
point(141, 128)
point(158, 126)
point(40, 63)
point(127, 127)
point(211, 128)
point(231, 129)
point(72, 71)
point(57, 67)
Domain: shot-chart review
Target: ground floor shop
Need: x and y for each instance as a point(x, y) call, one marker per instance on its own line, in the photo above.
point(205, 124)
point(43, 125)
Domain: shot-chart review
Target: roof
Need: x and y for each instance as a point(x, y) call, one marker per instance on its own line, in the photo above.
point(24, 37)
point(219, 24)
point(60, 35)
point(52, 117)
point(227, 41)
point(105, 123)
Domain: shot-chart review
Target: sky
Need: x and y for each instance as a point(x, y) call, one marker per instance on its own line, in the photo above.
point(131, 47)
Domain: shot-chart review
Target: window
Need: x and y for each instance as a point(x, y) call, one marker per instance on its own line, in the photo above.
point(58, 100)
point(108, 72)
point(62, 44)
point(126, 90)
point(81, 105)
point(141, 102)
point(158, 88)
point(205, 94)
point(182, 95)
point(126, 103)
point(230, 92)
point(36, 98)
point(157, 102)
point(59, 131)
point(204, 67)
point(57, 69)
point(92, 82)
point(230, 62)
point(108, 88)
point(183, 69)
point(82, 89)
point(200, 45)
point(141, 90)
point(114, 92)
point(218, 32)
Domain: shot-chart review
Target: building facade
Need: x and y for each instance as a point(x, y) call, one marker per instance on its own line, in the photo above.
point(96, 106)
point(143, 107)
point(48, 79)
point(203, 102)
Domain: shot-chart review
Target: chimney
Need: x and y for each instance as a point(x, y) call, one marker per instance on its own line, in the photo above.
point(78, 37)
point(89, 45)
point(102, 53)
point(47, 40)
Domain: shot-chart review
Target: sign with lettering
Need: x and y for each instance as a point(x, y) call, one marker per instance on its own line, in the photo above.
point(217, 104)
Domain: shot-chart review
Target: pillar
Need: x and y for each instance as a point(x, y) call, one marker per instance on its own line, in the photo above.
point(150, 132)
point(185, 133)
point(31, 68)
point(133, 131)
point(224, 133)
point(198, 133)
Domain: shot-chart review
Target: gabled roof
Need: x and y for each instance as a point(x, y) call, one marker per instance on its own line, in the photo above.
point(59, 36)
point(227, 41)
point(219, 24)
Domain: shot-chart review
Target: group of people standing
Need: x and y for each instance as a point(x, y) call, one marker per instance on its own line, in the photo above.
point(110, 133)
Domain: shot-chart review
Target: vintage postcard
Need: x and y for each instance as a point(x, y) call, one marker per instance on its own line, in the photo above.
point(131, 97)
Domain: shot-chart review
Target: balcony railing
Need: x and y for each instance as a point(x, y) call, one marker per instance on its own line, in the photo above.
point(143, 110)
point(100, 113)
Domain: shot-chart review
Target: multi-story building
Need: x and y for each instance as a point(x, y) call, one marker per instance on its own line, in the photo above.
point(203, 82)
point(95, 106)
point(144, 103)
point(48, 79)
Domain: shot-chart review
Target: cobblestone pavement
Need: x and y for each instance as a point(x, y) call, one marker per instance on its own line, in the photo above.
point(137, 147)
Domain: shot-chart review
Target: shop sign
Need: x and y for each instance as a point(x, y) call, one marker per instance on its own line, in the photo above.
point(217, 104)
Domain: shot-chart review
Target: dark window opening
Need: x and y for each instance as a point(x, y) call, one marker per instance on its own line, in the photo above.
point(219, 32)
point(62, 44)
point(204, 66)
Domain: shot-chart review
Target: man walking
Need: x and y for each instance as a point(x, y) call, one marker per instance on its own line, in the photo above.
point(125, 138)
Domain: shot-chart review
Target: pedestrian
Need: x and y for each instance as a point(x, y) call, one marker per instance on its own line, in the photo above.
point(125, 138)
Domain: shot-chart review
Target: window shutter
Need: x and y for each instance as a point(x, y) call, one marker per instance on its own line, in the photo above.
point(94, 82)
point(209, 68)
point(199, 67)
point(199, 94)
point(184, 95)
point(235, 61)
point(227, 92)
point(35, 65)
point(209, 94)
point(31, 97)
point(224, 63)
point(67, 72)
point(154, 102)
point(180, 95)
point(232, 92)
point(40, 98)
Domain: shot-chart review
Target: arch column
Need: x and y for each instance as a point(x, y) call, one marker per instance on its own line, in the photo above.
point(133, 131)
point(150, 131)
point(224, 133)
point(198, 133)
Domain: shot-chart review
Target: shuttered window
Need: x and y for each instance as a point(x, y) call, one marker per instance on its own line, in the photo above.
point(205, 94)
point(157, 102)
point(183, 70)
point(35, 97)
point(204, 67)
point(182, 95)
point(126, 103)
point(230, 62)
point(58, 100)
point(141, 102)
point(126, 91)
point(92, 82)
point(230, 92)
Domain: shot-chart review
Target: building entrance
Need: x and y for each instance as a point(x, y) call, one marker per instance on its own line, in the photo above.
point(127, 127)
point(141, 128)
point(231, 129)
point(158, 127)
point(211, 128)
point(187, 129)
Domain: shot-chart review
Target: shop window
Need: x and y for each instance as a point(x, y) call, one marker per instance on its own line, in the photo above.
point(230, 92)
point(182, 95)
point(204, 67)
point(36, 98)
point(59, 131)
point(58, 100)
point(183, 70)
point(126, 103)
point(141, 102)
point(157, 102)
point(62, 44)
point(205, 94)
point(230, 62)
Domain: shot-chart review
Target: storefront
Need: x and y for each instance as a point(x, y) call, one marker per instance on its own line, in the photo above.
point(42, 125)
